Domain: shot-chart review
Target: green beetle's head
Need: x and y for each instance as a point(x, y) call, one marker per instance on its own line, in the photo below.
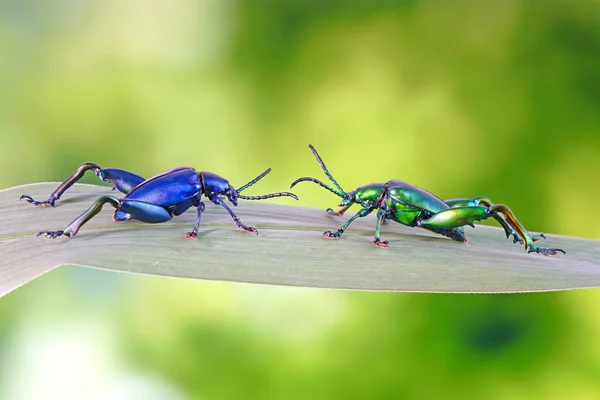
point(348, 198)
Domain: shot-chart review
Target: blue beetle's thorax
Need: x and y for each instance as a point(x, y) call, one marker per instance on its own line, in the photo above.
point(173, 187)
point(213, 183)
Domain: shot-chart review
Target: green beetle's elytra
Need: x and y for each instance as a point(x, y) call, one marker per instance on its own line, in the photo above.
point(412, 206)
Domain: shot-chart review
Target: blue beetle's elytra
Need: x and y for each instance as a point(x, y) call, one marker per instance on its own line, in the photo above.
point(157, 199)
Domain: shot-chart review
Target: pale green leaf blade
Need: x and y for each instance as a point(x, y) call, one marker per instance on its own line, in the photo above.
point(289, 250)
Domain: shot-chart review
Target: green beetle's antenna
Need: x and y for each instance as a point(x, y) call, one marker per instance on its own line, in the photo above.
point(322, 164)
point(253, 181)
point(318, 182)
point(339, 191)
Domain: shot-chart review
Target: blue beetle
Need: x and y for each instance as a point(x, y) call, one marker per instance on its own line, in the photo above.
point(157, 199)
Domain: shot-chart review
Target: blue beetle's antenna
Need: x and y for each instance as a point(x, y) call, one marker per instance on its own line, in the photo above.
point(264, 196)
point(253, 181)
point(269, 196)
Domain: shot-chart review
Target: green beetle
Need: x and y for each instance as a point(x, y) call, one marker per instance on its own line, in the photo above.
point(412, 206)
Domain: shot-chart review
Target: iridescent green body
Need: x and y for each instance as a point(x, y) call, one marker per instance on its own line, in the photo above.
point(410, 205)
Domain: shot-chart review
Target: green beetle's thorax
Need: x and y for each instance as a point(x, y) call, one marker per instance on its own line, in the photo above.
point(370, 195)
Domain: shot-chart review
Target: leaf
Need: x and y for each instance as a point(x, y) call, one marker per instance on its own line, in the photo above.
point(289, 250)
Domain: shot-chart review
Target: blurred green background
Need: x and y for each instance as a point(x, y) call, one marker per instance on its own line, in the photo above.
point(461, 98)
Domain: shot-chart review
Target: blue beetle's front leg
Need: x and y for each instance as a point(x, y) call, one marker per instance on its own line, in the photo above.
point(219, 201)
point(122, 180)
point(194, 232)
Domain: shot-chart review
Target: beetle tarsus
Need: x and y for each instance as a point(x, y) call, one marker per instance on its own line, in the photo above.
point(248, 229)
point(534, 238)
point(192, 235)
point(546, 252)
point(380, 243)
point(36, 203)
point(333, 235)
point(53, 234)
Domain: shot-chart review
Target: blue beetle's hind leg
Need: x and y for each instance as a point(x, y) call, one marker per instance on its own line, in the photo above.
point(236, 219)
point(72, 229)
point(79, 172)
point(122, 180)
point(194, 232)
point(125, 210)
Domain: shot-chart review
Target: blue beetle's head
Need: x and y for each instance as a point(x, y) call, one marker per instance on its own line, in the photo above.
point(232, 195)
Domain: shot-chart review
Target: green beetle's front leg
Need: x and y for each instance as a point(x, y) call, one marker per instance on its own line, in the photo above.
point(338, 213)
point(338, 234)
point(460, 216)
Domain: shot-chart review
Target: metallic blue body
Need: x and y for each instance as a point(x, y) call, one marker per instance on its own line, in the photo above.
point(213, 183)
point(124, 181)
point(171, 188)
point(157, 199)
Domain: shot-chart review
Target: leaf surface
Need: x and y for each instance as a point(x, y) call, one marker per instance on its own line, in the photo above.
point(290, 249)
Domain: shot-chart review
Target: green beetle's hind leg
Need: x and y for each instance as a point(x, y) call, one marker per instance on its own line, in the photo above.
point(528, 241)
point(460, 216)
point(485, 201)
